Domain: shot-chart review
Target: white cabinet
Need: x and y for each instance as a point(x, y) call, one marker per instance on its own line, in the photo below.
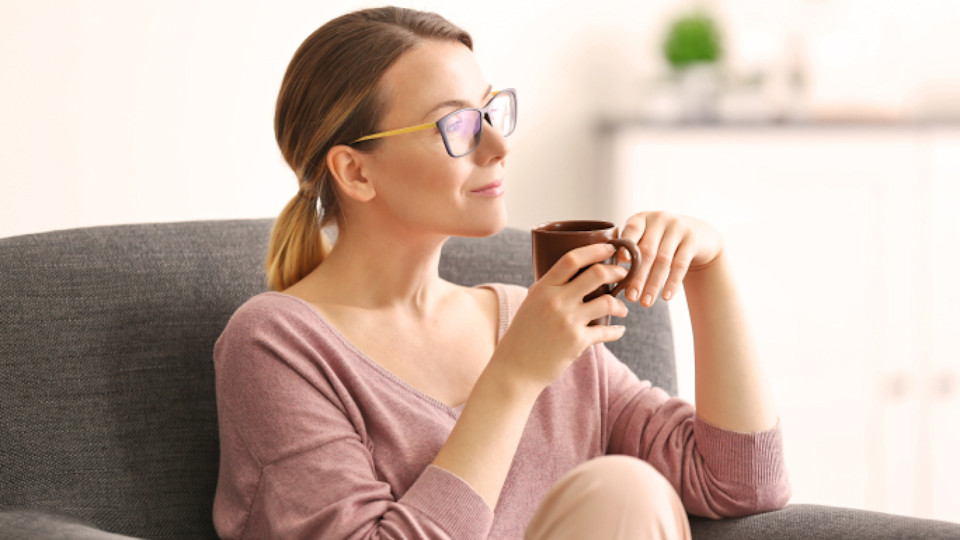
point(942, 348)
point(845, 243)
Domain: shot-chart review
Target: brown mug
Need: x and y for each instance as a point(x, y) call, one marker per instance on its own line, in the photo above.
point(552, 240)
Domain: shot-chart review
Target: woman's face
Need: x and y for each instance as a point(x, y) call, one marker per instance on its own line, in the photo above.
point(418, 185)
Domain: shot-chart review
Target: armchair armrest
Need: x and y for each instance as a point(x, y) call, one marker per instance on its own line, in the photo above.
point(804, 521)
point(47, 526)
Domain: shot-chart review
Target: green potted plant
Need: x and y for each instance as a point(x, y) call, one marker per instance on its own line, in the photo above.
point(693, 48)
point(693, 38)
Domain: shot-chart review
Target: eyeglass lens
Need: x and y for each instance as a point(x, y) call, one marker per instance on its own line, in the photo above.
point(461, 130)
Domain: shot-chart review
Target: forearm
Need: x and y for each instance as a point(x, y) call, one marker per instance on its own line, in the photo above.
point(731, 389)
point(482, 445)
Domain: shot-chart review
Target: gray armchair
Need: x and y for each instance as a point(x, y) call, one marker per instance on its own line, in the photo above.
point(107, 412)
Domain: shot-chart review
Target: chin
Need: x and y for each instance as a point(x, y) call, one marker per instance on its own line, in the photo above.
point(485, 227)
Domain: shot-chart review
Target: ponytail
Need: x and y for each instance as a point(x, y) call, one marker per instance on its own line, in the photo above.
point(297, 243)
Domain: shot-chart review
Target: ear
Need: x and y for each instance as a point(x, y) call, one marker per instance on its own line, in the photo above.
point(346, 165)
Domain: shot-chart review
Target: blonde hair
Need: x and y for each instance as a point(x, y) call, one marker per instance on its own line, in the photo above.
point(330, 96)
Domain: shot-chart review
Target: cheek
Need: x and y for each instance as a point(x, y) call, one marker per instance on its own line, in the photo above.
point(419, 167)
point(427, 171)
point(416, 182)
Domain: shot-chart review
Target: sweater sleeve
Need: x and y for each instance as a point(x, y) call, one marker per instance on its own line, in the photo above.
point(294, 463)
point(717, 473)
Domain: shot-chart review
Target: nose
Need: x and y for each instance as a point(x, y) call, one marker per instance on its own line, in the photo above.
point(493, 145)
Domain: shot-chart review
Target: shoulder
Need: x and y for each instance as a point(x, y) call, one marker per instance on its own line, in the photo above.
point(267, 307)
point(277, 335)
point(264, 316)
point(509, 297)
point(507, 290)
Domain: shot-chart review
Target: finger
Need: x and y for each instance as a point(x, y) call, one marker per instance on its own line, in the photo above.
point(661, 267)
point(636, 224)
point(603, 333)
point(632, 231)
point(679, 268)
point(572, 261)
point(648, 246)
point(596, 276)
point(602, 306)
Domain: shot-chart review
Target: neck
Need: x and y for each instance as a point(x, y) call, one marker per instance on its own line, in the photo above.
point(384, 271)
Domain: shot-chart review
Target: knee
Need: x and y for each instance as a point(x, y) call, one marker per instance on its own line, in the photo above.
point(630, 477)
point(630, 497)
point(621, 469)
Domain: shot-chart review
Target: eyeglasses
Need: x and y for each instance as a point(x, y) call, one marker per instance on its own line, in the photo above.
point(461, 129)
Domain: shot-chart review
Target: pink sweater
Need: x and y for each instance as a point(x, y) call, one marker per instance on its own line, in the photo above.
point(318, 441)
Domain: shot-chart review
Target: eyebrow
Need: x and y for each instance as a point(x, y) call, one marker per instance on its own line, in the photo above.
point(458, 103)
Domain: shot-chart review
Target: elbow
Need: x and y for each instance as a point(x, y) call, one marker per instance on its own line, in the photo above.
point(773, 497)
point(741, 503)
point(775, 494)
point(767, 498)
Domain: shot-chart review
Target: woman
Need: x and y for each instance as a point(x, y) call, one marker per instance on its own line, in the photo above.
point(367, 397)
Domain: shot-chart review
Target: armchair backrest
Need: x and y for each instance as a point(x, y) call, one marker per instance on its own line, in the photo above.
point(106, 373)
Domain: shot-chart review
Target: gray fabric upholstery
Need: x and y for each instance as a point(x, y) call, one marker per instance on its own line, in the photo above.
point(106, 378)
point(107, 409)
point(814, 522)
point(23, 525)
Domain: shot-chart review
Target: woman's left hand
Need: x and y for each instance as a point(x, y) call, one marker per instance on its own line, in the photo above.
point(670, 246)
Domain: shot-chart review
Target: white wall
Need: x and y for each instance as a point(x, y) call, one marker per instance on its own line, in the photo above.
point(131, 110)
point(115, 111)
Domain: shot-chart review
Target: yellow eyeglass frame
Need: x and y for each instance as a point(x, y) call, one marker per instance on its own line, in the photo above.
point(421, 127)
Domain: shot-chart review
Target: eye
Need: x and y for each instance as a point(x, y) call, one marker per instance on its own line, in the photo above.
point(453, 125)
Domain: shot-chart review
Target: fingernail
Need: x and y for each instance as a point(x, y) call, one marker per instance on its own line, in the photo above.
point(667, 295)
point(632, 294)
point(647, 300)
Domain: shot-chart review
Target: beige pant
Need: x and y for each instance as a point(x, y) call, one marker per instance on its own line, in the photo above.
point(607, 498)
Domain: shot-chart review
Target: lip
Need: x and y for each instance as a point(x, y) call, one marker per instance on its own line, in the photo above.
point(493, 189)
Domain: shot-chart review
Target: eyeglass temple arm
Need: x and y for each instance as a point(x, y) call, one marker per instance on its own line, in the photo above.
point(396, 132)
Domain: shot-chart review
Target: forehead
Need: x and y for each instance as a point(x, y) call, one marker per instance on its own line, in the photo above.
point(431, 73)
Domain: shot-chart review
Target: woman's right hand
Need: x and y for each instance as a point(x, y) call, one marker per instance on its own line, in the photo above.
point(550, 329)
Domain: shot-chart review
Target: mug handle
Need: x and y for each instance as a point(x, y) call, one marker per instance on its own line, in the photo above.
point(634, 262)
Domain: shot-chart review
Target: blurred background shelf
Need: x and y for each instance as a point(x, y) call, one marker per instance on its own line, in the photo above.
point(610, 126)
